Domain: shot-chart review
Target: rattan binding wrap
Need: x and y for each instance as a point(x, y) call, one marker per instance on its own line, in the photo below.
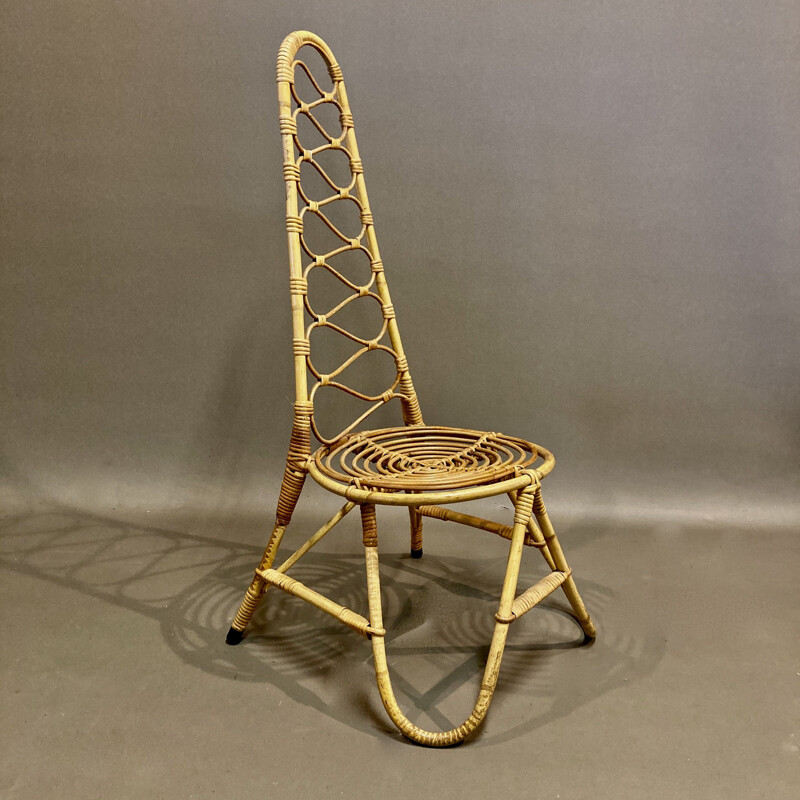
point(419, 466)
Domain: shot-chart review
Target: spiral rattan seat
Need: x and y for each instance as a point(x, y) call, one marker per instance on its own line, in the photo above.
point(416, 465)
point(424, 458)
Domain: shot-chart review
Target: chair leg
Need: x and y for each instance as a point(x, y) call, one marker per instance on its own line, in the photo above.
point(537, 536)
point(560, 562)
point(416, 532)
point(523, 506)
point(290, 492)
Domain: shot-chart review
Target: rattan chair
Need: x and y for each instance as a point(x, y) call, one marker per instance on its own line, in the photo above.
point(415, 465)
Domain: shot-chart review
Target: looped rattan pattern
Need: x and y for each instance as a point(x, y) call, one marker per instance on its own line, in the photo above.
point(425, 458)
point(296, 154)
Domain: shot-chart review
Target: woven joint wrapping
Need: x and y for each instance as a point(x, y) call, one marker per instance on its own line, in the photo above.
point(288, 126)
point(298, 286)
point(523, 506)
point(538, 503)
point(249, 604)
point(353, 620)
point(301, 347)
point(437, 512)
point(412, 415)
point(369, 525)
point(291, 172)
point(290, 492)
point(295, 473)
point(291, 44)
point(299, 446)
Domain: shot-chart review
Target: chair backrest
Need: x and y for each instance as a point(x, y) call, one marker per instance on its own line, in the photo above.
point(316, 197)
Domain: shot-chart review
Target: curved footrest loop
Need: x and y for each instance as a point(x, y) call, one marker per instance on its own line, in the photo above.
point(404, 725)
point(470, 724)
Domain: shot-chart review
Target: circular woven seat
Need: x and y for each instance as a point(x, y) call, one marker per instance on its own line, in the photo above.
point(424, 458)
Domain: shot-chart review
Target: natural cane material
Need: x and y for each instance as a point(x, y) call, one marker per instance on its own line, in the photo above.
point(415, 465)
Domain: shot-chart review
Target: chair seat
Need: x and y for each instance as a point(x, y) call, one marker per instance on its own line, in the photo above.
point(425, 458)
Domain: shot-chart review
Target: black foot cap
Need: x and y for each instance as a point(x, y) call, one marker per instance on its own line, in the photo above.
point(234, 636)
point(416, 553)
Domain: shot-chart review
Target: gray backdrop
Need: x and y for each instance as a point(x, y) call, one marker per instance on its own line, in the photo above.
point(588, 214)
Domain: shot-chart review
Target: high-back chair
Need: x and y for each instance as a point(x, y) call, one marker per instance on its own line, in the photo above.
point(415, 465)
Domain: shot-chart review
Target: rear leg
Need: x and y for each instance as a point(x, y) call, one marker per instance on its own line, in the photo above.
point(416, 532)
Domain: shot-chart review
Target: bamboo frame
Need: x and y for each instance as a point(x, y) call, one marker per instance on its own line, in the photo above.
point(418, 466)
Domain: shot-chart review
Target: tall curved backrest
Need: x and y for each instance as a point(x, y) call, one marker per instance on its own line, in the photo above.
point(305, 263)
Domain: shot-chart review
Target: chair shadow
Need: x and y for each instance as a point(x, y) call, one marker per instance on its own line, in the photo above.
point(193, 584)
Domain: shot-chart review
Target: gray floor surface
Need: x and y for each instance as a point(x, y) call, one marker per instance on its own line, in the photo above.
point(116, 681)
